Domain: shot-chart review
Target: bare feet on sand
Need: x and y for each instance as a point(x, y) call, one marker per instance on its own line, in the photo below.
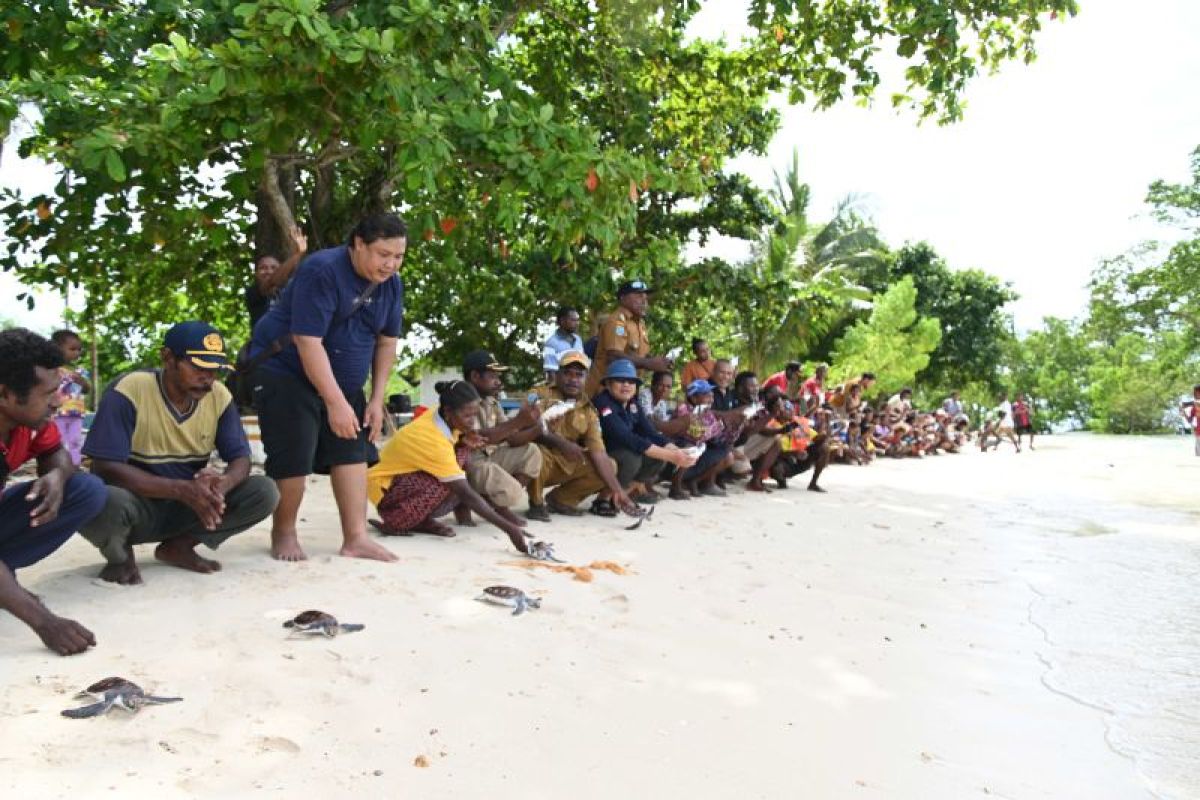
point(181, 552)
point(126, 574)
point(363, 547)
point(285, 546)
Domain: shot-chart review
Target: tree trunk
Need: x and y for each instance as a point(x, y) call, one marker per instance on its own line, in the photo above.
point(275, 199)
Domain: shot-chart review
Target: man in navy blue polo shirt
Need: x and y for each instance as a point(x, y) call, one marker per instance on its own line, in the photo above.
point(337, 321)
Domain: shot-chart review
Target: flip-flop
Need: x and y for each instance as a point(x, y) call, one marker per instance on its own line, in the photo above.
point(385, 530)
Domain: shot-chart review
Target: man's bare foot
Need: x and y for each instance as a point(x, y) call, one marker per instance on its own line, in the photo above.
point(181, 552)
point(363, 547)
point(756, 485)
point(812, 487)
point(462, 516)
point(431, 525)
point(125, 573)
point(285, 546)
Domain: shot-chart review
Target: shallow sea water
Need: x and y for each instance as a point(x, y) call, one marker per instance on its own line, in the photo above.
point(1115, 589)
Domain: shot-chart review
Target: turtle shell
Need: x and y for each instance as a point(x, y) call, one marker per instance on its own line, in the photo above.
point(503, 592)
point(102, 686)
point(311, 617)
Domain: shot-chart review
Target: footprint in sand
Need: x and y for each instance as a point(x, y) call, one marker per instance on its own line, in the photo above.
point(275, 744)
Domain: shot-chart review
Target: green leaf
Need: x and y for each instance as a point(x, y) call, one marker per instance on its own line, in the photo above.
point(114, 166)
point(216, 81)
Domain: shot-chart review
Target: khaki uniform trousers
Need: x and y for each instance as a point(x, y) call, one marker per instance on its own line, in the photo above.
point(495, 475)
point(575, 480)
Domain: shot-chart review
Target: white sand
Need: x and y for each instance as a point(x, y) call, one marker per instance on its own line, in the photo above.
point(876, 641)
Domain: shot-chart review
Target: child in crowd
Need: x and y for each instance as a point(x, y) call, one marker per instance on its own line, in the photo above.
point(76, 383)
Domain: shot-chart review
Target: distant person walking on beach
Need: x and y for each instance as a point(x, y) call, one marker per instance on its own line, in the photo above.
point(1191, 412)
point(1023, 418)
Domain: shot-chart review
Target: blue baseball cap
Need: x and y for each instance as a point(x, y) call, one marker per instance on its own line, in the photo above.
point(622, 368)
point(699, 386)
point(629, 287)
point(198, 342)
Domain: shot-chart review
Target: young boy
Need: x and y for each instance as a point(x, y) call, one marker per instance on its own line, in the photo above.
point(75, 384)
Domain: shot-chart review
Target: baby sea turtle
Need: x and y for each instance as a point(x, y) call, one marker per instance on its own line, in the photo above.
point(313, 621)
point(509, 596)
point(115, 692)
point(646, 514)
point(543, 551)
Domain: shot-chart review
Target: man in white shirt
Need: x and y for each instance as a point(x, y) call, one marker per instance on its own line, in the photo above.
point(564, 339)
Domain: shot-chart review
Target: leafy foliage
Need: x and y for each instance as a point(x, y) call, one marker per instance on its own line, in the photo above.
point(540, 149)
point(895, 342)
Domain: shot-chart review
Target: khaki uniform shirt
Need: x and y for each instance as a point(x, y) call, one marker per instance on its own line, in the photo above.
point(490, 415)
point(622, 333)
point(580, 425)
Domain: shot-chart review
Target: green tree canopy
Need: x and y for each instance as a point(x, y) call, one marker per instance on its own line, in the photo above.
point(538, 149)
point(895, 342)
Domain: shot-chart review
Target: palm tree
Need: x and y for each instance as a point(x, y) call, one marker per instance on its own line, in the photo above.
point(800, 278)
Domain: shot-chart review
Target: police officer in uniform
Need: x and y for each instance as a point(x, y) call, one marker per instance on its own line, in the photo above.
point(623, 335)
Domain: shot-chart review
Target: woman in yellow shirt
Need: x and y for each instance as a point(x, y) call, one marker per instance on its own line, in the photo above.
point(421, 472)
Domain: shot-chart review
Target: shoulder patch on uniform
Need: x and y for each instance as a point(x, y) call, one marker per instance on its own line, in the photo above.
point(604, 412)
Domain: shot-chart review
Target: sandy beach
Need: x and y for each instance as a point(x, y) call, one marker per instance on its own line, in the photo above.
point(1008, 625)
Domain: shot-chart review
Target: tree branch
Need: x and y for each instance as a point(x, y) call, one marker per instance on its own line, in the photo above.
point(277, 204)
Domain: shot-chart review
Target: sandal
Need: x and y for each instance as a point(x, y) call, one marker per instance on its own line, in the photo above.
point(603, 508)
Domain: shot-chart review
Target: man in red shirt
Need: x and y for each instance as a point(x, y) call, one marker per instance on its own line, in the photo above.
point(812, 395)
point(787, 382)
point(38, 516)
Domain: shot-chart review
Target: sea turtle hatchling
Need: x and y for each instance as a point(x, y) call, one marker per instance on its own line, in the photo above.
point(543, 551)
point(115, 693)
point(313, 621)
point(509, 596)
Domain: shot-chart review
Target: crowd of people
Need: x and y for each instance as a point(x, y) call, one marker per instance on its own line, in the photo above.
point(609, 423)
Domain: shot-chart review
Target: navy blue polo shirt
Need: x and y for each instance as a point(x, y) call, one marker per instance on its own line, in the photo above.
point(321, 293)
point(625, 427)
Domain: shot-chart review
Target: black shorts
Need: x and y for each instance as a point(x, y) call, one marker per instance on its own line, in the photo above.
point(295, 428)
point(1024, 429)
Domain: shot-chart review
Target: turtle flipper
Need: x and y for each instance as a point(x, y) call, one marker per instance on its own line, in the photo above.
point(522, 604)
point(533, 602)
point(351, 627)
point(158, 701)
point(84, 712)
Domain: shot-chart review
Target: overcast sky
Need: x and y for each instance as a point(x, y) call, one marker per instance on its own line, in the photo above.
point(1044, 177)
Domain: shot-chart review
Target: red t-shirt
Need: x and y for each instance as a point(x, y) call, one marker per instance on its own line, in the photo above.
point(778, 380)
point(26, 443)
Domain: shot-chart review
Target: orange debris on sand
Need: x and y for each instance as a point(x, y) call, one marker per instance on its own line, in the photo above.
point(582, 574)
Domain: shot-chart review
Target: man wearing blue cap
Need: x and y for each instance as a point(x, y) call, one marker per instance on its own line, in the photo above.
point(154, 432)
point(639, 449)
point(623, 335)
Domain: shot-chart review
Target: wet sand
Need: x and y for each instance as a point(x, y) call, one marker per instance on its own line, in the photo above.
point(1006, 625)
